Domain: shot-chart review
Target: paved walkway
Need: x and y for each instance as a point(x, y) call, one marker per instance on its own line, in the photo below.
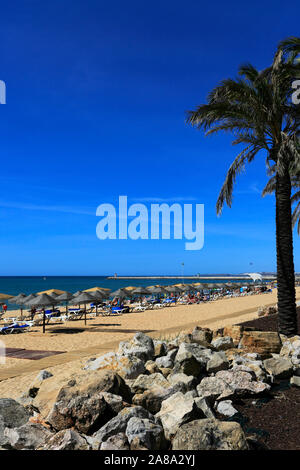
point(70, 356)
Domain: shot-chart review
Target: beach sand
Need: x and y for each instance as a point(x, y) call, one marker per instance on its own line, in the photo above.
point(102, 334)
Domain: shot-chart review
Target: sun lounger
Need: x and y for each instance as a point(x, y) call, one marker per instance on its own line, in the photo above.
point(14, 328)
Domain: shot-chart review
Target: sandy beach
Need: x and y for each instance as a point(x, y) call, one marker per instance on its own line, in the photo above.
point(102, 334)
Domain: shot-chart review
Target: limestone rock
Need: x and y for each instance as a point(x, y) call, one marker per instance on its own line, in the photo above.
point(141, 346)
point(150, 435)
point(210, 434)
point(185, 382)
point(29, 436)
point(263, 342)
point(127, 367)
point(222, 343)
point(119, 423)
point(176, 411)
point(280, 368)
point(217, 362)
point(225, 408)
point(66, 440)
point(145, 382)
point(152, 398)
point(116, 442)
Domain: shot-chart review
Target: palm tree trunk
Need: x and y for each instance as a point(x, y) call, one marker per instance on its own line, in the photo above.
point(286, 295)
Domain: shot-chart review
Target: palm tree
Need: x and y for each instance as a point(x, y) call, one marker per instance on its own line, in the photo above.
point(256, 108)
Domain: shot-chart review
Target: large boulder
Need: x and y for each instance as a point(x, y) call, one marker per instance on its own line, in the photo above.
point(66, 440)
point(217, 362)
point(210, 434)
point(213, 387)
point(79, 404)
point(118, 424)
point(262, 342)
point(148, 434)
point(152, 398)
point(183, 382)
point(116, 442)
point(241, 383)
point(222, 343)
point(128, 367)
point(226, 408)
point(201, 335)
point(145, 382)
point(279, 367)
point(29, 436)
point(140, 346)
point(235, 332)
point(13, 414)
point(191, 359)
point(176, 411)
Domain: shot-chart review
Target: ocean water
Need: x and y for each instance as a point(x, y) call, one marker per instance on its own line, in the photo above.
point(15, 285)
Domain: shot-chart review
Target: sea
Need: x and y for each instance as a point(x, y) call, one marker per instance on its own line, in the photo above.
point(15, 285)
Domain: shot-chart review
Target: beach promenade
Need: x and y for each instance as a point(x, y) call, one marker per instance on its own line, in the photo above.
point(103, 334)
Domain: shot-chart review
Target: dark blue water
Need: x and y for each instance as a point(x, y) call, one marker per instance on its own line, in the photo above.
point(14, 285)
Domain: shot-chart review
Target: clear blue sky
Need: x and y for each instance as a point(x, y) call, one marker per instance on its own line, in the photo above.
point(96, 99)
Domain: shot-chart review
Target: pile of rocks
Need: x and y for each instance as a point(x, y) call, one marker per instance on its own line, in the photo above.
point(155, 395)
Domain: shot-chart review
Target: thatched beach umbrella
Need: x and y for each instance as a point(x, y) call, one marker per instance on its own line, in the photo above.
point(52, 292)
point(43, 300)
point(173, 289)
point(84, 298)
point(101, 289)
point(5, 296)
point(140, 291)
point(98, 295)
point(65, 297)
point(120, 293)
point(18, 301)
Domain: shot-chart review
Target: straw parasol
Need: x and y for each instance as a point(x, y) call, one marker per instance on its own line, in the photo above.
point(51, 292)
point(84, 298)
point(173, 289)
point(18, 301)
point(5, 296)
point(157, 290)
point(65, 297)
point(121, 293)
point(102, 289)
point(42, 300)
point(140, 291)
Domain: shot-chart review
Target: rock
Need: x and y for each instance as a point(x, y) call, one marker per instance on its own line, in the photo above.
point(280, 367)
point(213, 387)
point(201, 335)
point(176, 411)
point(225, 408)
point(210, 434)
point(117, 442)
point(166, 371)
point(66, 440)
point(81, 405)
point(223, 343)
point(119, 423)
point(141, 346)
point(12, 414)
point(164, 362)
point(217, 362)
point(266, 310)
point(91, 381)
point(191, 394)
point(151, 367)
point(235, 332)
point(203, 405)
point(191, 359)
point(295, 381)
point(127, 367)
point(184, 382)
point(145, 382)
point(152, 399)
point(28, 436)
point(263, 342)
point(241, 383)
point(149, 435)
point(160, 348)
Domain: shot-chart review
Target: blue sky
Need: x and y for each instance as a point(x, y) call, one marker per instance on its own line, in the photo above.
point(96, 99)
